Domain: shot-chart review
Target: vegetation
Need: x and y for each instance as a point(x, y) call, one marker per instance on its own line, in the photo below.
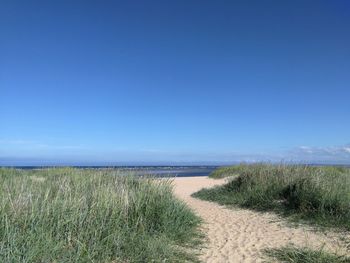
point(81, 215)
point(229, 171)
point(318, 194)
point(304, 255)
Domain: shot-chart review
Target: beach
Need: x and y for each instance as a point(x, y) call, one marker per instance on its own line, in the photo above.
point(241, 235)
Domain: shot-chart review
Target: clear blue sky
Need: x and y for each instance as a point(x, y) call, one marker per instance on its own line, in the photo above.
point(174, 81)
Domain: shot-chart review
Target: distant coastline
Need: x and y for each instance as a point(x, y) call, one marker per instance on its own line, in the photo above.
point(163, 171)
point(149, 167)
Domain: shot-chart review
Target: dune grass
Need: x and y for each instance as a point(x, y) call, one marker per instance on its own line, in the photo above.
point(320, 195)
point(304, 255)
point(80, 215)
point(227, 171)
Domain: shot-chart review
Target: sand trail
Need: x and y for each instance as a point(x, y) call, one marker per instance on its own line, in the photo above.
point(240, 235)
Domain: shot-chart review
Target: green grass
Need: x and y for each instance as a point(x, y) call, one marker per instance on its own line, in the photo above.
point(320, 195)
point(229, 171)
point(304, 255)
point(76, 215)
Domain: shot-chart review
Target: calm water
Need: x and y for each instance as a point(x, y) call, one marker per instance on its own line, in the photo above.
point(163, 171)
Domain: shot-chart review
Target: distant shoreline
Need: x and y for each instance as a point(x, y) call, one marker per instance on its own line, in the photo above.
point(148, 167)
point(158, 171)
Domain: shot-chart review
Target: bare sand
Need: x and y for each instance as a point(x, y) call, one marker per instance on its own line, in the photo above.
point(240, 235)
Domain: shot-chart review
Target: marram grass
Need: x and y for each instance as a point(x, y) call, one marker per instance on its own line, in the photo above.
point(303, 255)
point(320, 195)
point(76, 215)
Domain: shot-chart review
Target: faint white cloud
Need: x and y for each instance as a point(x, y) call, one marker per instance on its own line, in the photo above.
point(36, 144)
point(328, 154)
point(16, 142)
point(304, 153)
point(306, 149)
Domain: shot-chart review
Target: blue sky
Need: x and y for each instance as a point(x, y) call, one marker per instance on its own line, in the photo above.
point(174, 81)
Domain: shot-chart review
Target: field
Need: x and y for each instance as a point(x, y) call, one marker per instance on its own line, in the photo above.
point(82, 215)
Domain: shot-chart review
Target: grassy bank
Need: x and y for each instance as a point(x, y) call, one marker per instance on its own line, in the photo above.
point(303, 255)
point(74, 215)
point(320, 195)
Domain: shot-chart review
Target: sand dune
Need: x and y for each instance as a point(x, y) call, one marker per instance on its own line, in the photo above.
point(240, 235)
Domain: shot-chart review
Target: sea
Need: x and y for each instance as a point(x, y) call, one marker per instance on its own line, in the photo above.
point(158, 171)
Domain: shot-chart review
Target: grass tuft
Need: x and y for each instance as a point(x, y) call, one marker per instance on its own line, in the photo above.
point(320, 195)
point(304, 255)
point(82, 215)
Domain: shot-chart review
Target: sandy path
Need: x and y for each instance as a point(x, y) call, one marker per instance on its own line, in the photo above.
point(240, 235)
